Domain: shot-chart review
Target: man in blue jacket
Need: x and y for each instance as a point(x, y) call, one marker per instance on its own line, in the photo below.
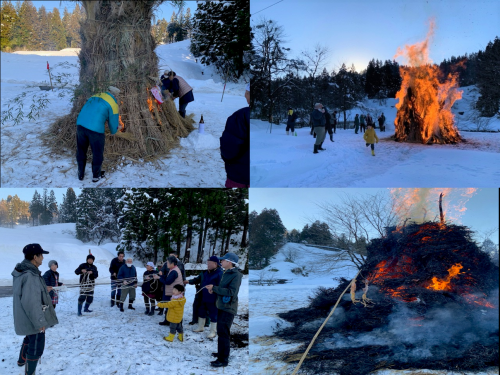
point(90, 126)
point(211, 276)
point(127, 279)
point(235, 147)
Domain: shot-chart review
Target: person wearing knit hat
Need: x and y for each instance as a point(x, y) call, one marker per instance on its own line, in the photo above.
point(174, 87)
point(235, 146)
point(51, 278)
point(90, 127)
point(227, 305)
point(204, 307)
point(88, 273)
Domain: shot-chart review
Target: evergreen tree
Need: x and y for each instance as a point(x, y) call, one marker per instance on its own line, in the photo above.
point(68, 207)
point(266, 236)
point(488, 77)
point(294, 236)
point(73, 28)
point(57, 33)
point(44, 29)
point(8, 18)
point(46, 215)
point(66, 23)
point(187, 24)
point(36, 207)
point(52, 205)
point(23, 35)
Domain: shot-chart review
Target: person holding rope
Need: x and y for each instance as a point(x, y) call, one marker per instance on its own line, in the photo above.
point(175, 312)
point(33, 310)
point(149, 288)
point(227, 305)
point(51, 278)
point(127, 277)
point(169, 279)
point(114, 267)
point(206, 303)
point(174, 87)
point(88, 273)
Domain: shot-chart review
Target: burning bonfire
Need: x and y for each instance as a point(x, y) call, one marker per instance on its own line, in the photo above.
point(426, 298)
point(425, 98)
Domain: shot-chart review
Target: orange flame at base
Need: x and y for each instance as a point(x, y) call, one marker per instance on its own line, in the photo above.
point(437, 284)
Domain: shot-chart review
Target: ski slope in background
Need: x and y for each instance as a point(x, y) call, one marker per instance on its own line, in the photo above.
point(279, 160)
point(196, 163)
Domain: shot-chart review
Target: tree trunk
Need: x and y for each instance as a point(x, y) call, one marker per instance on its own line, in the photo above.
point(117, 49)
point(228, 239)
point(245, 230)
point(199, 256)
point(222, 241)
point(215, 240)
point(205, 236)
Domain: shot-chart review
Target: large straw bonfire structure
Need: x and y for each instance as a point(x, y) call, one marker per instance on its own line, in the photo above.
point(118, 49)
point(425, 98)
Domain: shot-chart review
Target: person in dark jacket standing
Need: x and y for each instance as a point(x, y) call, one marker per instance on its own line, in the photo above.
point(127, 279)
point(114, 267)
point(381, 122)
point(290, 123)
point(227, 305)
point(169, 279)
point(318, 122)
point(149, 288)
point(328, 125)
point(356, 123)
point(235, 147)
point(175, 87)
point(211, 276)
point(334, 123)
point(33, 310)
point(88, 273)
point(362, 124)
point(51, 278)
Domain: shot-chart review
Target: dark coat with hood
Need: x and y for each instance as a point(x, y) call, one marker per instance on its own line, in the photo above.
point(129, 273)
point(33, 308)
point(227, 291)
point(50, 280)
point(83, 276)
point(317, 118)
point(208, 278)
point(115, 266)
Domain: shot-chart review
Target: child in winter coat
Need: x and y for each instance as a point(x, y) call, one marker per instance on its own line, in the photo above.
point(370, 138)
point(51, 278)
point(175, 312)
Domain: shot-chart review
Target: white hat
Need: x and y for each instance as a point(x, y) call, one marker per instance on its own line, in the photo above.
point(247, 88)
point(151, 264)
point(114, 90)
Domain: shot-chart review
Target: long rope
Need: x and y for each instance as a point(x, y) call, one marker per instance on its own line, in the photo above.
point(321, 328)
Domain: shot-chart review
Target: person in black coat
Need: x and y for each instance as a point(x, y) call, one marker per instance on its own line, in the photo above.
point(334, 123)
point(235, 147)
point(88, 273)
point(328, 125)
point(114, 267)
point(51, 278)
point(290, 123)
point(149, 288)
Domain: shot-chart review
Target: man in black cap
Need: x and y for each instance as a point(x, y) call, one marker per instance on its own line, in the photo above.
point(33, 310)
point(227, 305)
point(88, 273)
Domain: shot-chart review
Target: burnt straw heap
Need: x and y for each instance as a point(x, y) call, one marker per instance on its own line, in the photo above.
point(431, 303)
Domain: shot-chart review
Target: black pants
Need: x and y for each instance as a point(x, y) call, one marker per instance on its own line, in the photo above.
point(362, 127)
point(224, 323)
point(149, 302)
point(290, 127)
point(33, 345)
point(84, 138)
point(372, 145)
point(88, 297)
point(196, 305)
point(334, 128)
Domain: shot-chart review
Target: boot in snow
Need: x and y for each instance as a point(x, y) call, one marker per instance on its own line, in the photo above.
point(331, 138)
point(213, 330)
point(130, 307)
point(152, 312)
point(207, 322)
point(121, 307)
point(373, 152)
point(147, 310)
point(86, 309)
point(170, 337)
point(80, 309)
point(201, 325)
point(160, 311)
point(218, 363)
point(112, 302)
point(180, 336)
point(321, 147)
point(31, 362)
point(315, 149)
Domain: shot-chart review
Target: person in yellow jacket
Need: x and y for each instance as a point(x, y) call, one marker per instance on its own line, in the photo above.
point(175, 312)
point(370, 138)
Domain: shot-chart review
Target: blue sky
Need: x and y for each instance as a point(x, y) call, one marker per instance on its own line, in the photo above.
point(357, 31)
point(295, 206)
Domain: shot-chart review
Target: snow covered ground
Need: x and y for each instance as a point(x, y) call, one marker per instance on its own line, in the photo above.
point(105, 341)
point(279, 160)
point(196, 163)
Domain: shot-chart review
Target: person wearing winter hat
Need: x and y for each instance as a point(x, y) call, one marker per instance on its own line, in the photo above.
point(206, 301)
point(90, 126)
point(227, 305)
point(149, 288)
point(33, 310)
point(88, 273)
point(175, 312)
point(235, 146)
point(174, 86)
point(127, 280)
point(51, 278)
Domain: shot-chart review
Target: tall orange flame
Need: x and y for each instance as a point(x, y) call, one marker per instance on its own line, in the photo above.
point(437, 284)
point(424, 107)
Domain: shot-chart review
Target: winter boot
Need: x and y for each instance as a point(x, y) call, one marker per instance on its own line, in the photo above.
point(31, 362)
point(121, 307)
point(160, 311)
point(81, 176)
point(112, 302)
point(207, 322)
point(152, 312)
point(147, 310)
point(86, 309)
point(80, 309)
point(315, 149)
point(373, 152)
point(201, 325)
point(287, 132)
point(314, 135)
point(180, 336)
point(130, 307)
point(213, 330)
point(331, 138)
point(170, 337)
point(218, 363)
point(321, 147)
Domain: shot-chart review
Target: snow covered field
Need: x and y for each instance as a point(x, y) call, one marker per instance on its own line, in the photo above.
point(105, 341)
point(196, 163)
point(279, 160)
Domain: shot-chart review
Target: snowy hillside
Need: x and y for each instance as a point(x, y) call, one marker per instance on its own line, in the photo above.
point(267, 300)
point(105, 341)
point(279, 160)
point(196, 163)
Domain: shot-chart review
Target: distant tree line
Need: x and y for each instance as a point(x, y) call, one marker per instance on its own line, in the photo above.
point(14, 211)
point(179, 28)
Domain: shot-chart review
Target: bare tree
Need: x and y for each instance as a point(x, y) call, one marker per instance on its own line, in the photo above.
point(315, 61)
